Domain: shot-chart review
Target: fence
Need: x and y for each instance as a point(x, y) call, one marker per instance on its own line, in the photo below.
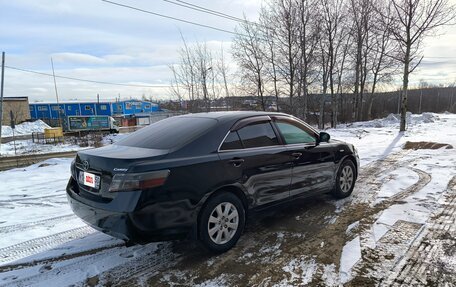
point(43, 139)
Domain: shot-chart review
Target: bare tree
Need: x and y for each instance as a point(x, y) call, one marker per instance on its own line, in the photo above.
point(203, 61)
point(175, 83)
point(309, 36)
point(200, 75)
point(266, 21)
point(223, 69)
point(412, 21)
point(361, 17)
point(335, 36)
point(285, 17)
point(184, 74)
point(248, 51)
point(324, 77)
point(383, 63)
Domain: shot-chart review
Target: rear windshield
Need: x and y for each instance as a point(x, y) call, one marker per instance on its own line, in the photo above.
point(169, 133)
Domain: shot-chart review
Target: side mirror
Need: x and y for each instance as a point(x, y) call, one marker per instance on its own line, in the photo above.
point(324, 137)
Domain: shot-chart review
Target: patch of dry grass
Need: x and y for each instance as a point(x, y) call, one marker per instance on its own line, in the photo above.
point(426, 145)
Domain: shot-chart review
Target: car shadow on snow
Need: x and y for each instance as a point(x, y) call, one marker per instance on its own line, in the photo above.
point(272, 237)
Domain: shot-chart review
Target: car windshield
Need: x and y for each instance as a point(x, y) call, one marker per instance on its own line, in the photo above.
point(169, 133)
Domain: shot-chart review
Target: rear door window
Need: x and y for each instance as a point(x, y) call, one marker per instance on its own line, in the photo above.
point(232, 141)
point(258, 135)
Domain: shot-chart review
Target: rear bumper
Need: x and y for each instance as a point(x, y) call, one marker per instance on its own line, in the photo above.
point(119, 217)
point(109, 222)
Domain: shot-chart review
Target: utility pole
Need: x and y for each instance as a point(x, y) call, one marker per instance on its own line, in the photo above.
point(56, 95)
point(1, 96)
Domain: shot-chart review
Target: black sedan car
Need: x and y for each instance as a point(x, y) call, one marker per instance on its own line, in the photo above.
point(199, 174)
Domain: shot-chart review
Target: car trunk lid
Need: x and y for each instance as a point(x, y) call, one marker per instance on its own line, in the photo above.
point(101, 164)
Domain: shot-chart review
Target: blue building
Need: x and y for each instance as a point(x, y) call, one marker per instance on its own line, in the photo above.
point(50, 111)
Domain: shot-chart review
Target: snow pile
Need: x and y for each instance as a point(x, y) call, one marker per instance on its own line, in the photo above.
point(394, 120)
point(423, 118)
point(113, 138)
point(25, 128)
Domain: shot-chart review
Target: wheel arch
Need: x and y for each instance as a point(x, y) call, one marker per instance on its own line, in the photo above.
point(236, 190)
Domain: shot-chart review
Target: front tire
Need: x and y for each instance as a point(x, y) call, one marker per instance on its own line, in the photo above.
point(221, 222)
point(345, 179)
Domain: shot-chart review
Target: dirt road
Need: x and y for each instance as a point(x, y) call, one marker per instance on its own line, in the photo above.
point(314, 242)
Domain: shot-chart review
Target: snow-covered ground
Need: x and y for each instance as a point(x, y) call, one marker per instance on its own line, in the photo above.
point(25, 128)
point(378, 138)
point(29, 147)
point(26, 147)
point(318, 241)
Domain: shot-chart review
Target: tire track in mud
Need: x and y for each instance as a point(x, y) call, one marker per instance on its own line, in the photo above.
point(275, 238)
point(50, 222)
point(20, 199)
point(38, 202)
point(132, 272)
point(81, 264)
point(271, 240)
point(368, 175)
point(258, 234)
point(35, 245)
point(142, 261)
point(373, 256)
point(63, 257)
point(422, 265)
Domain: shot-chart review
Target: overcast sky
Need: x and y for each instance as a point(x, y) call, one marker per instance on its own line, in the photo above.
point(94, 40)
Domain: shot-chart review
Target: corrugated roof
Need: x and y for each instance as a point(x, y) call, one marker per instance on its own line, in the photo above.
point(89, 102)
point(15, 98)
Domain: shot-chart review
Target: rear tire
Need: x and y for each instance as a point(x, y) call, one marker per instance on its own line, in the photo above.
point(345, 179)
point(221, 222)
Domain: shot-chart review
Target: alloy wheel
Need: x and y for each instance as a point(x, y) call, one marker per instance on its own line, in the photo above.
point(223, 223)
point(346, 179)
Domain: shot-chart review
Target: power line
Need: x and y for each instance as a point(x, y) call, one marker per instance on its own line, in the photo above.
point(85, 80)
point(209, 11)
point(213, 11)
point(202, 9)
point(170, 17)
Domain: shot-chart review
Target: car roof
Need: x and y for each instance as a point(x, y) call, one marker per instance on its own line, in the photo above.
point(232, 115)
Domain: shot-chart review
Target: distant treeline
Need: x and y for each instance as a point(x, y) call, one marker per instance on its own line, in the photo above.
point(435, 99)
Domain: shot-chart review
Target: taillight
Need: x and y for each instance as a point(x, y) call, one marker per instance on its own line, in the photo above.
point(138, 181)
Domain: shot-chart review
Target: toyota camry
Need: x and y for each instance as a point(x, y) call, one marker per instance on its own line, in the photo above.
point(198, 175)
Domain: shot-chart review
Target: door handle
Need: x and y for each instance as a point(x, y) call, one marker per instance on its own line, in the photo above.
point(296, 155)
point(236, 162)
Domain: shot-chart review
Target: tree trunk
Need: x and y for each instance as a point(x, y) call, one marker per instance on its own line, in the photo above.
point(404, 93)
point(276, 90)
point(260, 92)
point(357, 73)
point(321, 116)
point(369, 108)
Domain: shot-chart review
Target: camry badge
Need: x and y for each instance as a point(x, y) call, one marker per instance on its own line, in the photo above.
point(120, 169)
